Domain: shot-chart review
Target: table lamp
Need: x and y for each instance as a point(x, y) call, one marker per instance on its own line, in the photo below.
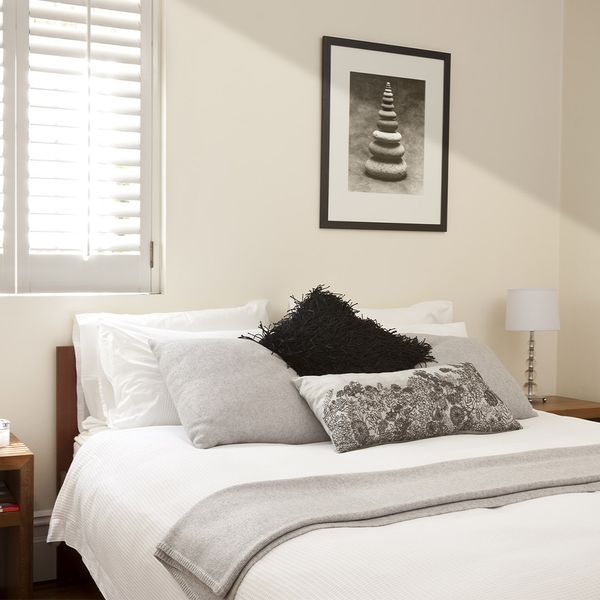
point(532, 309)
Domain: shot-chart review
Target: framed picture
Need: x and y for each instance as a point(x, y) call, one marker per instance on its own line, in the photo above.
point(384, 137)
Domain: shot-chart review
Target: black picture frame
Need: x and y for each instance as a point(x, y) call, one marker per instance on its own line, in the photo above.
point(325, 221)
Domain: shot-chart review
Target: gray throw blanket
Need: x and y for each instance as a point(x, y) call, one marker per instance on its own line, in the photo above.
point(210, 549)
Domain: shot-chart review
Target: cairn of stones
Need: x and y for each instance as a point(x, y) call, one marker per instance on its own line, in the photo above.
point(387, 160)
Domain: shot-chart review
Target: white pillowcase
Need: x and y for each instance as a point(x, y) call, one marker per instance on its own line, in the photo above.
point(430, 311)
point(131, 385)
point(90, 410)
point(435, 311)
point(458, 329)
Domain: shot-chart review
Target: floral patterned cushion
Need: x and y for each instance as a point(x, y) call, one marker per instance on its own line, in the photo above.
point(369, 409)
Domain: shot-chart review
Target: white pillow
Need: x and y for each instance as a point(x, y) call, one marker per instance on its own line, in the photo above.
point(132, 388)
point(436, 311)
point(90, 410)
point(458, 329)
point(431, 311)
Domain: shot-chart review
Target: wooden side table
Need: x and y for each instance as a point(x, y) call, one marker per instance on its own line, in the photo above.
point(569, 407)
point(16, 469)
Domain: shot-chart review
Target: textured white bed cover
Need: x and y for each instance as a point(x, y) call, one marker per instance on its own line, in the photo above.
point(126, 488)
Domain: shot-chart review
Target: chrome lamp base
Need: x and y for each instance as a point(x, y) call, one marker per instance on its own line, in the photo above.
point(530, 385)
point(540, 398)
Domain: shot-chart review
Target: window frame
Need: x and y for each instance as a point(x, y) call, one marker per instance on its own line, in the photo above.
point(7, 258)
point(24, 273)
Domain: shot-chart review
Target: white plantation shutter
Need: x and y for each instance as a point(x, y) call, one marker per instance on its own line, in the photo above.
point(86, 157)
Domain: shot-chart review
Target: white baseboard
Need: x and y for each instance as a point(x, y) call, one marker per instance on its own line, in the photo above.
point(44, 554)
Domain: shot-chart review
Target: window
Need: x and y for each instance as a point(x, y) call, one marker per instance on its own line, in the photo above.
point(80, 154)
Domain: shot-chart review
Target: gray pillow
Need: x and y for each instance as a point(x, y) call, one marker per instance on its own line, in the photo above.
point(452, 350)
point(359, 410)
point(229, 391)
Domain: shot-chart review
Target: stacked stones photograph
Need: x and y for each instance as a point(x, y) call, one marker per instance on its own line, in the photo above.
point(386, 136)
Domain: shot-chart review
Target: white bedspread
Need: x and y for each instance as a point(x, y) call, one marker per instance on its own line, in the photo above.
point(126, 488)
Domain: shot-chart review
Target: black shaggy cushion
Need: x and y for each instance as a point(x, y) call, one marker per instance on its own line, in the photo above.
point(322, 335)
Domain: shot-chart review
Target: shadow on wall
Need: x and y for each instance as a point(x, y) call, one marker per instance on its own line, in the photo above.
point(293, 30)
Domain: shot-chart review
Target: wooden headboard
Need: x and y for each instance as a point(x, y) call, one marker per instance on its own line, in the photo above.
point(69, 566)
point(66, 410)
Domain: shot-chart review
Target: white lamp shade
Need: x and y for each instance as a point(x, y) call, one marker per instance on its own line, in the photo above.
point(530, 309)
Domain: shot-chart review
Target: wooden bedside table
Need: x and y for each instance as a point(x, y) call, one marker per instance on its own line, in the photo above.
point(569, 407)
point(16, 470)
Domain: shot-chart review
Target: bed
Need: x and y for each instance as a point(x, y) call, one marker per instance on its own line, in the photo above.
point(125, 489)
point(170, 495)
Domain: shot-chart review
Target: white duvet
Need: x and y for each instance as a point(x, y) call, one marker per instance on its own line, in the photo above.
point(126, 488)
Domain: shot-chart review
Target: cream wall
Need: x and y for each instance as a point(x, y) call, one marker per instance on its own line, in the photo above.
point(579, 339)
point(242, 179)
